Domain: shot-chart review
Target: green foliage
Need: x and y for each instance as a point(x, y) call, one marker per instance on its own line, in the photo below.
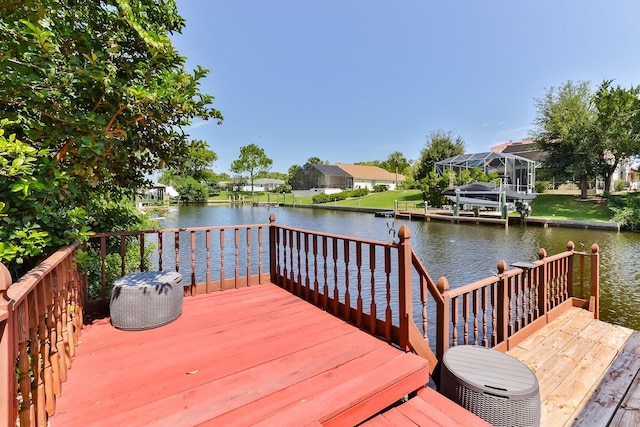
point(326, 198)
point(191, 190)
point(432, 187)
point(253, 160)
point(619, 185)
point(99, 98)
point(626, 210)
point(380, 188)
point(440, 145)
point(541, 186)
point(35, 214)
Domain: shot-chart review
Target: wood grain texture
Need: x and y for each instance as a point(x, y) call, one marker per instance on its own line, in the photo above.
point(239, 357)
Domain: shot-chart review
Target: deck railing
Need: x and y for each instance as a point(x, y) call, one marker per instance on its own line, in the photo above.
point(40, 321)
point(381, 287)
point(492, 311)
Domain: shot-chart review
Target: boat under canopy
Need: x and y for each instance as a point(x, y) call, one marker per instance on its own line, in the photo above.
point(485, 194)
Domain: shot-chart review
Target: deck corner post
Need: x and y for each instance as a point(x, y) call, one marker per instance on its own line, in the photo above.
point(405, 290)
point(570, 260)
point(272, 249)
point(443, 316)
point(502, 312)
point(595, 281)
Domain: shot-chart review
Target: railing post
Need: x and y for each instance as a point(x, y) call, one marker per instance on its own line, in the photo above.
point(570, 273)
point(8, 414)
point(405, 291)
point(272, 249)
point(443, 316)
point(502, 311)
point(543, 289)
point(594, 304)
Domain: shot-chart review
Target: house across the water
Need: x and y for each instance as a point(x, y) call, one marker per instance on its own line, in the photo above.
point(313, 179)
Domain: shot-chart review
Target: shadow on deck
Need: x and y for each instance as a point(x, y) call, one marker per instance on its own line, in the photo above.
point(250, 356)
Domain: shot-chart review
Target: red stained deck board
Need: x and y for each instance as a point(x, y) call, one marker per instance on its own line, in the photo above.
point(427, 408)
point(242, 347)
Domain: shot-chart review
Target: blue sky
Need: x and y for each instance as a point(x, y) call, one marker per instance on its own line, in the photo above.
point(355, 80)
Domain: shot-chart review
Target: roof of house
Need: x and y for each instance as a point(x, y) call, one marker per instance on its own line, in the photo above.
point(369, 172)
point(526, 149)
point(330, 170)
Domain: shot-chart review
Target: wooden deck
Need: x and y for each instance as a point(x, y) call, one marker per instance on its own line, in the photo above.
point(588, 371)
point(250, 356)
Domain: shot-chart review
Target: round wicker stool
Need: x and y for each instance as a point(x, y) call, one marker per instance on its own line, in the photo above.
point(146, 300)
point(495, 386)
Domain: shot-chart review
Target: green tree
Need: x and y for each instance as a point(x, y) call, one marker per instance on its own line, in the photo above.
point(396, 162)
point(440, 145)
point(566, 130)
point(618, 125)
point(253, 160)
point(198, 160)
point(98, 90)
point(315, 161)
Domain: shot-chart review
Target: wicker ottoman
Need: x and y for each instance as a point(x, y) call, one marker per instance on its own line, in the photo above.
point(493, 385)
point(146, 300)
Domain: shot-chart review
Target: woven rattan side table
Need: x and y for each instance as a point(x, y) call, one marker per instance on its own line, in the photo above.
point(495, 386)
point(146, 300)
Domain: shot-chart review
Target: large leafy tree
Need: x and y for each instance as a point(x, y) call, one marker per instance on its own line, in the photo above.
point(618, 125)
point(253, 160)
point(396, 163)
point(440, 145)
point(97, 89)
point(566, 129)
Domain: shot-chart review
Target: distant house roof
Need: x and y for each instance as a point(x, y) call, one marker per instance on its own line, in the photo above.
point(526, 148)
point(369, 172)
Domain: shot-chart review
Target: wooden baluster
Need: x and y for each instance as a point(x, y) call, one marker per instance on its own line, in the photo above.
point(582, 276)
point(372, 267)
point(24, 380)
point(248, 235)
point(43, 377)
point(207, 245)
point(387, 273)
point(103, 268)
point(359, 319)
point(476, 314)
point(347, 297)
point(236, 242)
point(160, 237)
point(143, 266)
point(299, 281)
point(494, 314)
point(285, 271)
point(325, 293)
point(176, 249)
point(307, 279)
point(67, 329)
point(510, 291)
point(193, 262)
point(336, 292)
point(503, 303)
point(316, 297)
point(594, 299)
point(465, 318)
point(454, 321)
point(292, 281)
point(260, 260)
point(442, 322)
point(519, 301)
point(59, 342)
point(37, 385)
point(52, 378)
point(423, 301)
point(222, 284)
point(123, 254)
point(485, 306)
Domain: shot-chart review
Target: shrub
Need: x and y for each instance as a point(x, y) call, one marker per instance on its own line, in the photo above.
point(619, 185)
point(541, 186)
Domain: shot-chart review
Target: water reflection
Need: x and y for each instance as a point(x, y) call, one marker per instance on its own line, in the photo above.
point(461, 252)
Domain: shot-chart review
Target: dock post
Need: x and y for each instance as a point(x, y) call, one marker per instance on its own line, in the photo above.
point(594, 300)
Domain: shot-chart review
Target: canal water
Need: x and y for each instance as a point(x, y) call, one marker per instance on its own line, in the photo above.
point(462, 253)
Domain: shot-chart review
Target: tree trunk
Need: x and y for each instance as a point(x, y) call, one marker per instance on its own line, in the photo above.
point(584, 183)
point(607, 183)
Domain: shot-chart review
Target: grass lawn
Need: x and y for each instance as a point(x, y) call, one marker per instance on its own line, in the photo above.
point(557, 206)
point(561, 206)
